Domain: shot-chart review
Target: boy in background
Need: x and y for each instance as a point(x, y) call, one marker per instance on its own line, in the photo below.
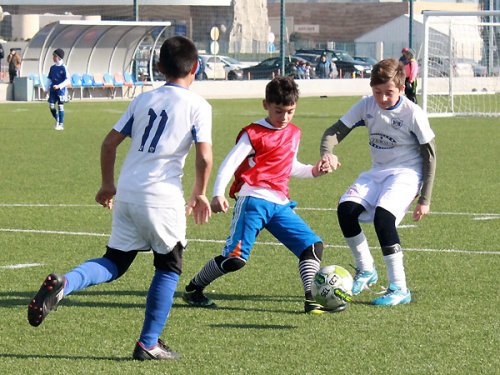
point(149, 206)
point(403, 154)
point(262, 161)
point(58, 88)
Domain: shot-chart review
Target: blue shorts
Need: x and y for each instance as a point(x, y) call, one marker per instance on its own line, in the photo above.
point(57, 96)
point(251, 215)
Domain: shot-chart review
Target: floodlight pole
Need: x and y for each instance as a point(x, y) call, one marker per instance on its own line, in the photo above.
point(410, 32)
point(282, 36)
point(136, 10)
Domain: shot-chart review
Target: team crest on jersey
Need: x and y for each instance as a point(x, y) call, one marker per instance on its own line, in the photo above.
point(396, 123)
point(382, 141)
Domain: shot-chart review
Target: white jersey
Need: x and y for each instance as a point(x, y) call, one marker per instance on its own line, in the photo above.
point(394, 134)
point(162, 124)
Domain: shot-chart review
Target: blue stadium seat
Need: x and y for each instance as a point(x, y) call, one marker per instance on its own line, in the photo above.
point(76, 84)
point(37, 85)
point(88, 83)
point(109, 84)
point(128, 79)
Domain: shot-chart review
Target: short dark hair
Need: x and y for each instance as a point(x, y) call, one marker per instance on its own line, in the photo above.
point(388, 70)
point(178, 56)
point(282, 90)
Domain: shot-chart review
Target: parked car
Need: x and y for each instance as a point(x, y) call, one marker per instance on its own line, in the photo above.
point(313, 59)
point(346, 65)
point(213, 67)
point(478, 69)
point(231, 63)
point(440, 67)
point(366, 59)
point(267, 69)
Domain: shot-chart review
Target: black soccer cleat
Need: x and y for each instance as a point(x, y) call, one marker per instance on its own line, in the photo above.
point(159, 352)
point(196, 298)
point(313, 307)
point(46, 300)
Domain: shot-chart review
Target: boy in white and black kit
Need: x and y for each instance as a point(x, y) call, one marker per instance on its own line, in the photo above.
point(403, 156)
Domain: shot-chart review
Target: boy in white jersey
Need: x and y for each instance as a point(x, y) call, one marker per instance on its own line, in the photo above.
point(403, 156)
point(263, 160)
point(149, 209)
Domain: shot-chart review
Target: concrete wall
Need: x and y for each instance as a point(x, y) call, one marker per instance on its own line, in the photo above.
point(308, 88)
point(256, 88)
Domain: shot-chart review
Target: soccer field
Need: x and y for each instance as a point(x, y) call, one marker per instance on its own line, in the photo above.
point(49, 222)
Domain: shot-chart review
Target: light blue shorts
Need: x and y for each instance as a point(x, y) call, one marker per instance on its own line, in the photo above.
point(251, 215)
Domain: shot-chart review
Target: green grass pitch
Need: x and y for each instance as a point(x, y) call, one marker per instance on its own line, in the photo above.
point(49, 222)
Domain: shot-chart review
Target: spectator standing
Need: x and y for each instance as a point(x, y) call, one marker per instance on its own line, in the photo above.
point(307, 70)
point(2, 55)
point(301, 71)
point(14, 61)
point(324, 68)
point(411, 71)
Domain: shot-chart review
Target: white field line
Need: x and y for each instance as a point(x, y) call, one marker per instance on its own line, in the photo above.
point(462, 251)
point(20, 265)
point(483, 215)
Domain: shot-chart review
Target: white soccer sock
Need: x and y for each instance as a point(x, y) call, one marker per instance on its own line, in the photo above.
point(396, 270)
point(361, 252)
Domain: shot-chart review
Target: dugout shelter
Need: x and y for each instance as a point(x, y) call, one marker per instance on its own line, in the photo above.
point(93, 47)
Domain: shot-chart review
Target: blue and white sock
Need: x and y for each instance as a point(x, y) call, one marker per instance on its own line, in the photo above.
point(53, 110)
point(61, 114)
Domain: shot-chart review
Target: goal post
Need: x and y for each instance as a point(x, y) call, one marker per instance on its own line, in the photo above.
point(461, 63)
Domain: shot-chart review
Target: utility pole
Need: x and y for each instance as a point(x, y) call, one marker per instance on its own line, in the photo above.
point(410, 28)
point(282, 36)
point(136, 10)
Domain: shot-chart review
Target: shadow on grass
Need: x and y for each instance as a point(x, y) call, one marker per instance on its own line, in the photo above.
point(72, 357)
point(252, 326)
point(16, 299)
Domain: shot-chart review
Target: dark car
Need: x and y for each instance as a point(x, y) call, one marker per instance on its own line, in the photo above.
point(266, 69)
point(313, 60)
point(366, 59)
point(347, 66)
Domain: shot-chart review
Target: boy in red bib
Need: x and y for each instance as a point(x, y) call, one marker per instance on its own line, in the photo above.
point(262, 161)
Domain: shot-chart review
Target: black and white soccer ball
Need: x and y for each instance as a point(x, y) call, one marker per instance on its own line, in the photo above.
point(332, 286)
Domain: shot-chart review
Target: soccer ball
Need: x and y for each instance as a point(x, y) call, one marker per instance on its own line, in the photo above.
point(332, 286)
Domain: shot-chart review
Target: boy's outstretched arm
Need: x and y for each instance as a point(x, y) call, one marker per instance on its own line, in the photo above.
point(108, 156)
point(332, 137)
point(198, 203)
point(219, 204)
point(428, 152)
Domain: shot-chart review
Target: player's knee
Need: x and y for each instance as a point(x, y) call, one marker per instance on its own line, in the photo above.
point(315, 252)
point(170, 262)
point(229, 264)
point(122, 259)
point(385, 226)
point(348, 214)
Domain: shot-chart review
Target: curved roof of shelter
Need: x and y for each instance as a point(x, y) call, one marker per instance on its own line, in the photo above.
point(90, 46)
